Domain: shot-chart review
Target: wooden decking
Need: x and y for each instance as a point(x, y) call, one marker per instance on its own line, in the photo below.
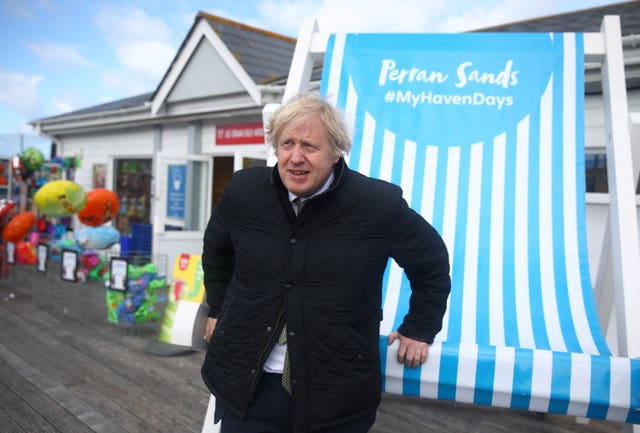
point(64, 368)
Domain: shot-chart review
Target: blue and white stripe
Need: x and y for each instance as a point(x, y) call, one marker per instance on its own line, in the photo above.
point(521, 329)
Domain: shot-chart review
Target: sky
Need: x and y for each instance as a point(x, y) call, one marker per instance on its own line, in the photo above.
point(57, 56)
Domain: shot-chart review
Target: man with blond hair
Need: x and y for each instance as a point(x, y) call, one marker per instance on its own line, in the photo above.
point(294, 257)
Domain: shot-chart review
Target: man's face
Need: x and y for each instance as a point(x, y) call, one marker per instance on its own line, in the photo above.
point(305, 158)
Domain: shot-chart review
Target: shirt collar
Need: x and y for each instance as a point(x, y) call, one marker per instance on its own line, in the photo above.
point(324, 187)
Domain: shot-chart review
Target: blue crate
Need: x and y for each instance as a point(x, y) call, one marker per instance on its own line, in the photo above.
point(141, 239)
point(125, 246)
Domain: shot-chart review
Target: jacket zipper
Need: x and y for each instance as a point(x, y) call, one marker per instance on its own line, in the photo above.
point(264, 353)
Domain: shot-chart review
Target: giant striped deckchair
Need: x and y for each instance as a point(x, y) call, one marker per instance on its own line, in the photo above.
point(484, 133)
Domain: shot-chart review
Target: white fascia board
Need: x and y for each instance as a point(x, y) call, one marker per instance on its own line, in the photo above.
point(97, 122)
point(64, 122)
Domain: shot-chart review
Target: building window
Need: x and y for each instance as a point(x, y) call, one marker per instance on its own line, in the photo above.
point(596, 173)
point(133, 188)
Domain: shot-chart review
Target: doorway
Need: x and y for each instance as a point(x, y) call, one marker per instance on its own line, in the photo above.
point(223, 169)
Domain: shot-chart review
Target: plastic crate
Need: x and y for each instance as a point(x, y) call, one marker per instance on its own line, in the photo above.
point(141, 239)
point(125, 246)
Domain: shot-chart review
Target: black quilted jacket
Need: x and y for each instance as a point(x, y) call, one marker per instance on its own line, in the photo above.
point(321, 273)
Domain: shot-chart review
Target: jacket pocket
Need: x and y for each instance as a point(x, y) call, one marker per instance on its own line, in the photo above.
point(346, 376)
point(226, 322)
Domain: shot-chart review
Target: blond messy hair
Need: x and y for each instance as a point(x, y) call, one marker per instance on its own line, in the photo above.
point(302, 106)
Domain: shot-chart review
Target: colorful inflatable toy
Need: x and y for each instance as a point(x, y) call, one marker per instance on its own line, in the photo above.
point(32, 159)
point(94, 265)
point(5, 208)
point(60, 198)
point(18, 227)
point(138, 303)
point(97, 238)
point(17, 167)
point(101, 206)
point(25, 253)
point(57, 246)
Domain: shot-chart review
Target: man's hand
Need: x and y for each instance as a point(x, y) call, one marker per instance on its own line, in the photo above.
point(410, 352)
point(209, 326)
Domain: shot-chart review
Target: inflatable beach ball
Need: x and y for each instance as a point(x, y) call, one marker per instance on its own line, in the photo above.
point(32, 159)
point(60, 198)
point(18, 227)
point(97, 238)
point(102, 205)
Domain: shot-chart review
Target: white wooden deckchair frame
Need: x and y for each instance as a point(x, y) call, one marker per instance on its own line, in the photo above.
point(621, 249)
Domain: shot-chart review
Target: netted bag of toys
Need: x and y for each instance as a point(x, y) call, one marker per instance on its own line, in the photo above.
point(138, 303)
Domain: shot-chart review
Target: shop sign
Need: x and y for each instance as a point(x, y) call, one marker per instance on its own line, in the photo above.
point(69, 265)
point(119, 274)
point(245, 133)
point(176, 191)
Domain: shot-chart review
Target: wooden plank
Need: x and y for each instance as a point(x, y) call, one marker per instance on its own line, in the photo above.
point(111, 381)
point(409, 414)
point(8, 424)
point(30, 408)
point(94, 348)
point(59, 393)
point(177, 378)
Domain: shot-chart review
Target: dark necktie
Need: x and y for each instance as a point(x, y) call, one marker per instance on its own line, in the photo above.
point(286, 373)
point(298, 205)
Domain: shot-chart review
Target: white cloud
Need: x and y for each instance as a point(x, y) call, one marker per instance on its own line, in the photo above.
point(60, 56)
point(120, 83)
point(11, 125)
point(359, 16)
point(286, 16)
point(20, 91)
point(186, 19)
point(143, 45)
point(60, 105)
point(479, 16)
point(148, 59)
point(127, 24)
point(23, 95)
point(64, 104)
point(70, 100)
point(352, 16)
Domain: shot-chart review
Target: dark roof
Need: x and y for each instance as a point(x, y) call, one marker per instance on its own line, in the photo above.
point(316, 75)
point(120, 104)
point(586, 20)
point(265, 55)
